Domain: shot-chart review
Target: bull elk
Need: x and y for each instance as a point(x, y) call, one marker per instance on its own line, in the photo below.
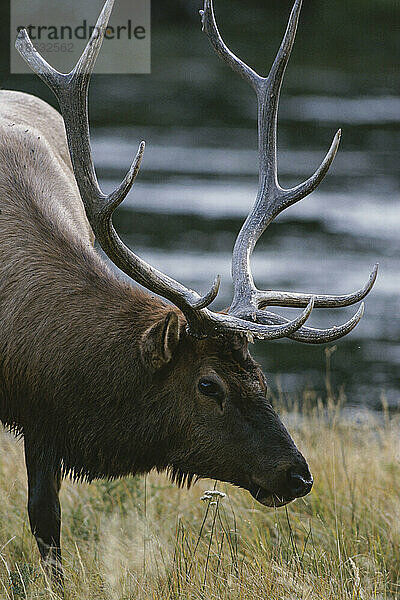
point(103, 379)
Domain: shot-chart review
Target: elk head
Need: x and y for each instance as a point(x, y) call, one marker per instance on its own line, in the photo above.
point(222, 425)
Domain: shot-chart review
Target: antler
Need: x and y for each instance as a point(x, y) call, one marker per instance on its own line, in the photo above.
point(272, 199)
point(71, 90)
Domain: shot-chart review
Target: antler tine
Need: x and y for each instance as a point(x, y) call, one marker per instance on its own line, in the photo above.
point(268, 94)
point(258, 330)
point(302, 190)
point(271, 197)
point(210, 27)
point(71, 90)
point(298, 300)
point(310, 335)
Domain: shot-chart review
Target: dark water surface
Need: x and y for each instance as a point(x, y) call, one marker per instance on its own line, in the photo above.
point(199, 176)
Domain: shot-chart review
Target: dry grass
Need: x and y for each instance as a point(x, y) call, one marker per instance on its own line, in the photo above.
point(146, 539)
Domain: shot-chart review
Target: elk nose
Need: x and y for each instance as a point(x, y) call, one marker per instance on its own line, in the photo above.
point(299, 484)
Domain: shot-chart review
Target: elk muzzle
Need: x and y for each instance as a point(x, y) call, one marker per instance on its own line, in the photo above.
point(290, 483)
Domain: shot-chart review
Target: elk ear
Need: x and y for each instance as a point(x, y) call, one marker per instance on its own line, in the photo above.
point(159, 342)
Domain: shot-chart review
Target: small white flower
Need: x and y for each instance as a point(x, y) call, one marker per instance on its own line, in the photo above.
point(211, 494)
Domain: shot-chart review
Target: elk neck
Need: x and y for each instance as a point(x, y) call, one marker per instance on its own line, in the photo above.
point(70, 349)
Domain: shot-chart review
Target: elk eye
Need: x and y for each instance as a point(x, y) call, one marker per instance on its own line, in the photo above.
point(210, 388)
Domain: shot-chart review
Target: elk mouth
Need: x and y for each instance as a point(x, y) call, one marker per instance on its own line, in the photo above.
point(267, 497)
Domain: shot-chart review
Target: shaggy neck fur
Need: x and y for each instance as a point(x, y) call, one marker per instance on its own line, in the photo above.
point(69, 347)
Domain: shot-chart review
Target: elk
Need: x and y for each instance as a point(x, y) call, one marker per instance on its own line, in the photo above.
point(104, 379)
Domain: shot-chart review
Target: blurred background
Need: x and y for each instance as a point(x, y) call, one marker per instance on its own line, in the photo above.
point(199, 176)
